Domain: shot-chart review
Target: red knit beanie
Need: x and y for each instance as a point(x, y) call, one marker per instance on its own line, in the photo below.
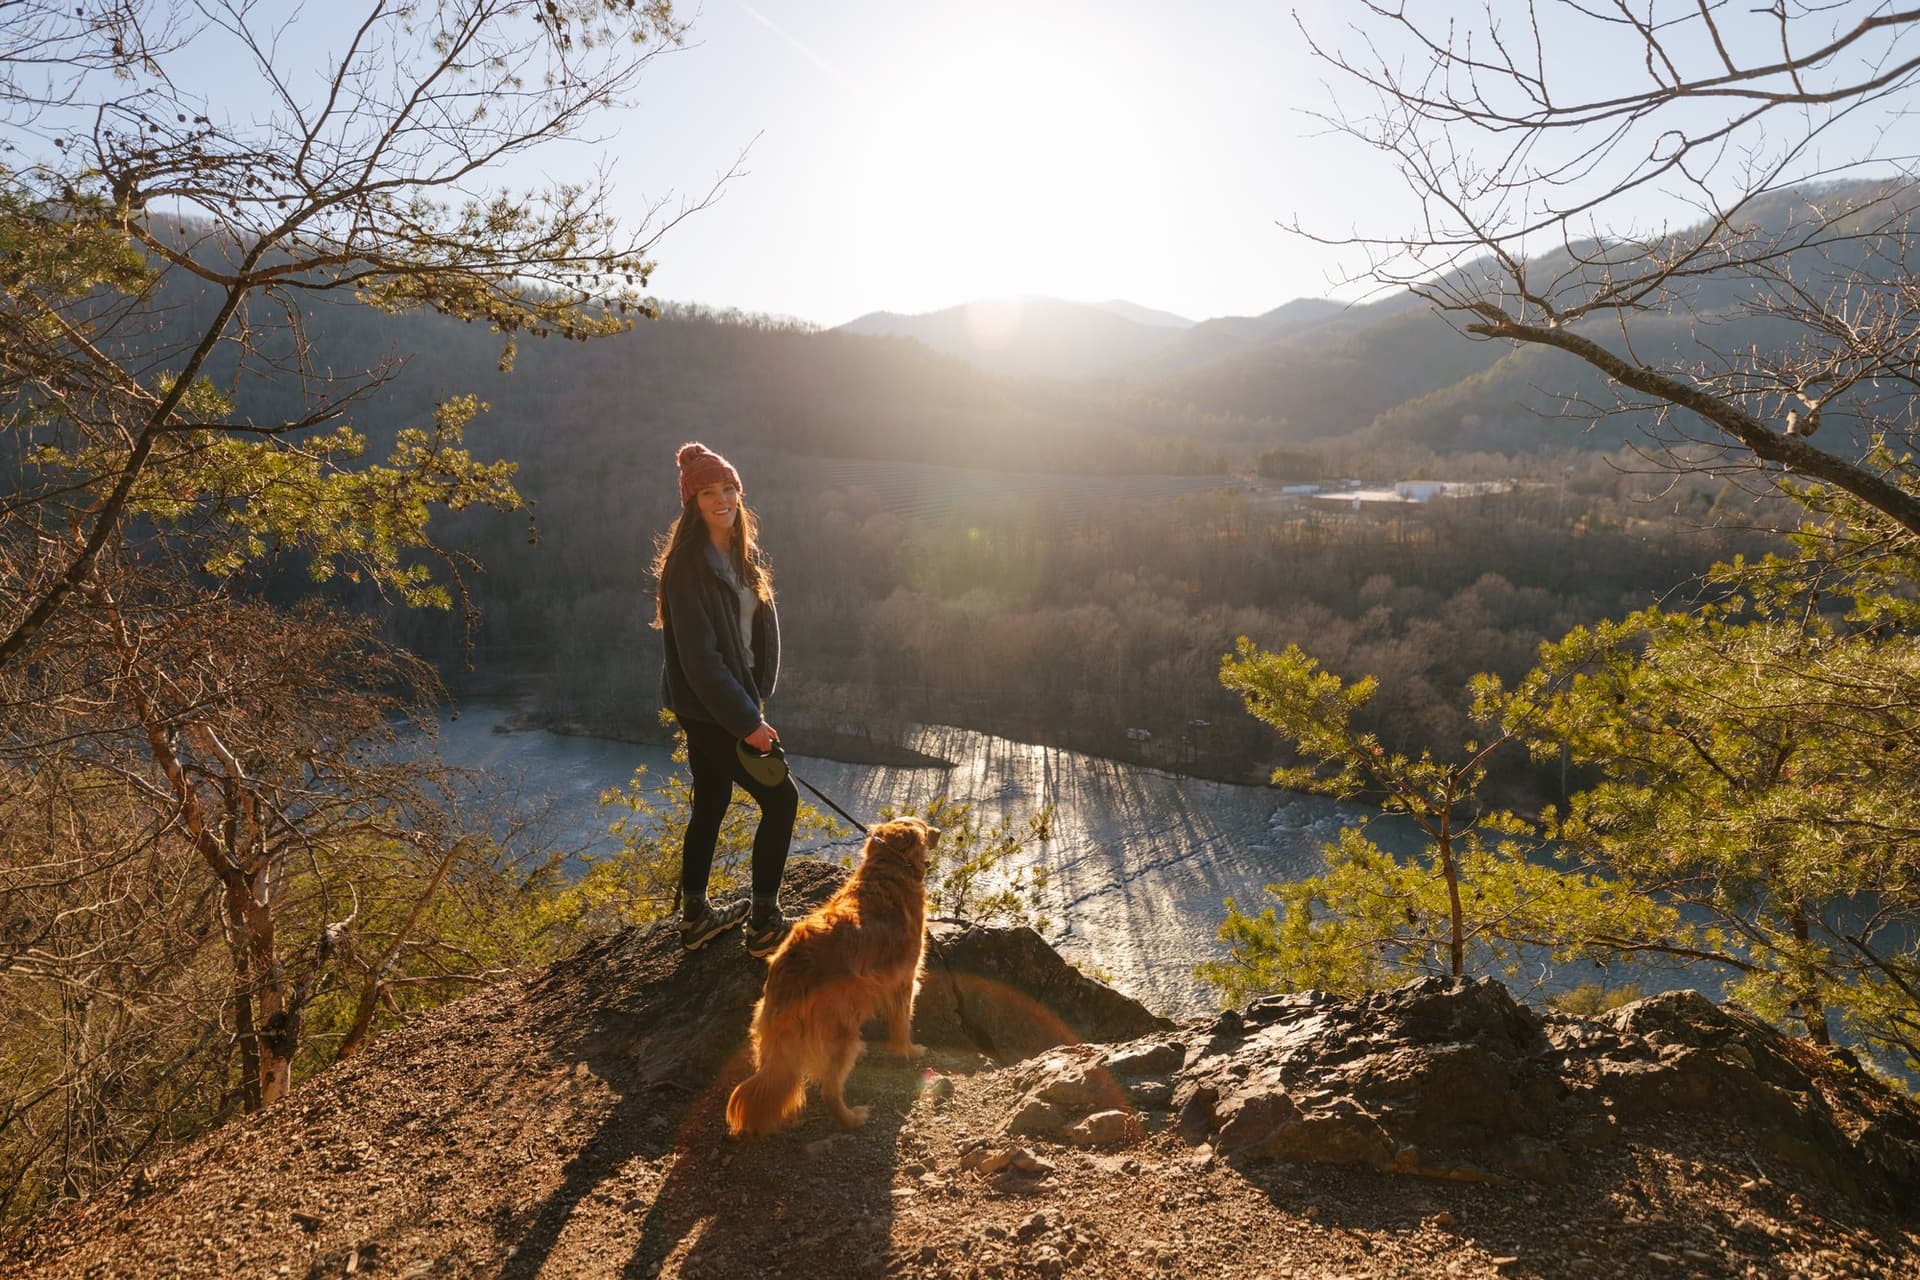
point(700, 467)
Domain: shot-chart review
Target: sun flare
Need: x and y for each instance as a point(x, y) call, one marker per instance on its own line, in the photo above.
point(1005, 159)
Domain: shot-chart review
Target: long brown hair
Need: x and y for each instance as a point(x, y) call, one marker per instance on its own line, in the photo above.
point(684, 536)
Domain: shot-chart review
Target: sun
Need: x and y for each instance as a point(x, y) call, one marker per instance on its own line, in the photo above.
point(996, 163)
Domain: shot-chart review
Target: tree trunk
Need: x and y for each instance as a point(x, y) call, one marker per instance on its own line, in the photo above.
point(265, 1029)
point(264, 1026)
point(244, 1032)
point(278, 1030)
point(1457, 924)
point(1813, 1010)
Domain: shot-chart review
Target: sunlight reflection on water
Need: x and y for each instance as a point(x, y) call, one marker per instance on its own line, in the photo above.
point(1140, 861)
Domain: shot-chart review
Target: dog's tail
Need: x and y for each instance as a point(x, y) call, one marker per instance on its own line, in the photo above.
point(766, 1100)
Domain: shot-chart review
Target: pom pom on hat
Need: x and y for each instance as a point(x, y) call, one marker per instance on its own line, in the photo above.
point(700, 467)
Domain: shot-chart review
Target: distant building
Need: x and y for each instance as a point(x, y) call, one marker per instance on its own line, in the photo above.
point(1403, 493)
point(1359, 499)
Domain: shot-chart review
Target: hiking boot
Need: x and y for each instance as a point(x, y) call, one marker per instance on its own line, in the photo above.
point(764, 939)
point(711, 923)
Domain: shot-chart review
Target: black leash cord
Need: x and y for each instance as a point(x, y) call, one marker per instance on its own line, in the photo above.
point(860, 826)
point(779, 753)
point(829, 801)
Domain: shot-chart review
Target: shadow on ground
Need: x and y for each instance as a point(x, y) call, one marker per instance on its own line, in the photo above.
point(813, 1200)
point(658, 1180)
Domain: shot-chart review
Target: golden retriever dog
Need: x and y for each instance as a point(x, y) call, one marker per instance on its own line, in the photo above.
point(855, 958)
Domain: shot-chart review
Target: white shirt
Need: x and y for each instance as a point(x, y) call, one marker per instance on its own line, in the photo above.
point(748, 602)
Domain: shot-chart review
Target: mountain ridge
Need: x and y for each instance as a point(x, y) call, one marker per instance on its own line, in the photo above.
point(1031, 336)
point(1092, 389)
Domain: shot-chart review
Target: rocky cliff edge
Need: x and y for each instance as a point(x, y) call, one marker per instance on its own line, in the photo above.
point(568, 1125)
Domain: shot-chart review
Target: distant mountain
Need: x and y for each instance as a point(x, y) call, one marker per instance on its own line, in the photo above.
point(1046, 337)
point(1033, 337)
point(1323, 370)
point(1226, 336)
point(1098, 391)
point(1391, 371)
point(1144, 315)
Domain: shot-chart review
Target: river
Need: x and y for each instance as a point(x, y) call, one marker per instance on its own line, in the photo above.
point(1140, 862)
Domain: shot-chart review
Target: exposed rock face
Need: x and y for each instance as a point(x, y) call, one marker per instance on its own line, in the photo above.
point(1680, 1052)
point(1432, 1079)
point(1007, 994)
point(683, 1017)
point(1456, 1080)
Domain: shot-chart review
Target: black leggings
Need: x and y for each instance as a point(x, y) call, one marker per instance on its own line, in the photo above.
point(716, 769)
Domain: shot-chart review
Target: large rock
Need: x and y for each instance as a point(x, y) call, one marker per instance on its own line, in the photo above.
point(681, 1017)
point(1445, 1080)
point(1456, 1080)
point(1007, 994)
point(1678, 1052)
point(1067, 1086)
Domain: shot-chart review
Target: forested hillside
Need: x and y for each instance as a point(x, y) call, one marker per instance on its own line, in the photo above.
point(699, 373)
point(942, 594)
point(917, 586)
point(1070, 613)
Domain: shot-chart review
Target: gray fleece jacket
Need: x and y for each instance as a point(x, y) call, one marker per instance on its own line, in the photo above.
point(708, 674)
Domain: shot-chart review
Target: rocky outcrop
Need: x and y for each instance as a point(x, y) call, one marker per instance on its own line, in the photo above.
point(1456, 1080)
point(570, 1123)
point(682, 1017)
point(1680, 1053)
point(1007, 994)
point(679, 1016)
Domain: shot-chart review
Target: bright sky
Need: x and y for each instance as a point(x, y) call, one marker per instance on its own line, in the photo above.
point(907, 157)
point(913, 156)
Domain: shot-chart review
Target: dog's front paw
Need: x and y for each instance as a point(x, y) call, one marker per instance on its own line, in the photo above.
point(854, 1117)
point(912, 1052)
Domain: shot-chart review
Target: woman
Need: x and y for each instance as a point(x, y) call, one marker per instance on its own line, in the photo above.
point(715, 606)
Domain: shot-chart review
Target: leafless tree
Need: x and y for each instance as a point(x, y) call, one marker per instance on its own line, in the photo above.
point(216, 864)
point(208, 832)
point(372, 171)
point(1545, 144)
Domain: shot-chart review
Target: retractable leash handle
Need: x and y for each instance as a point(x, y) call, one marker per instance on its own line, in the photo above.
point(768, 768)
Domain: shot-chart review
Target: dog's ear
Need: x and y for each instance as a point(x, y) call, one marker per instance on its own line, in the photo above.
point(926, 837)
